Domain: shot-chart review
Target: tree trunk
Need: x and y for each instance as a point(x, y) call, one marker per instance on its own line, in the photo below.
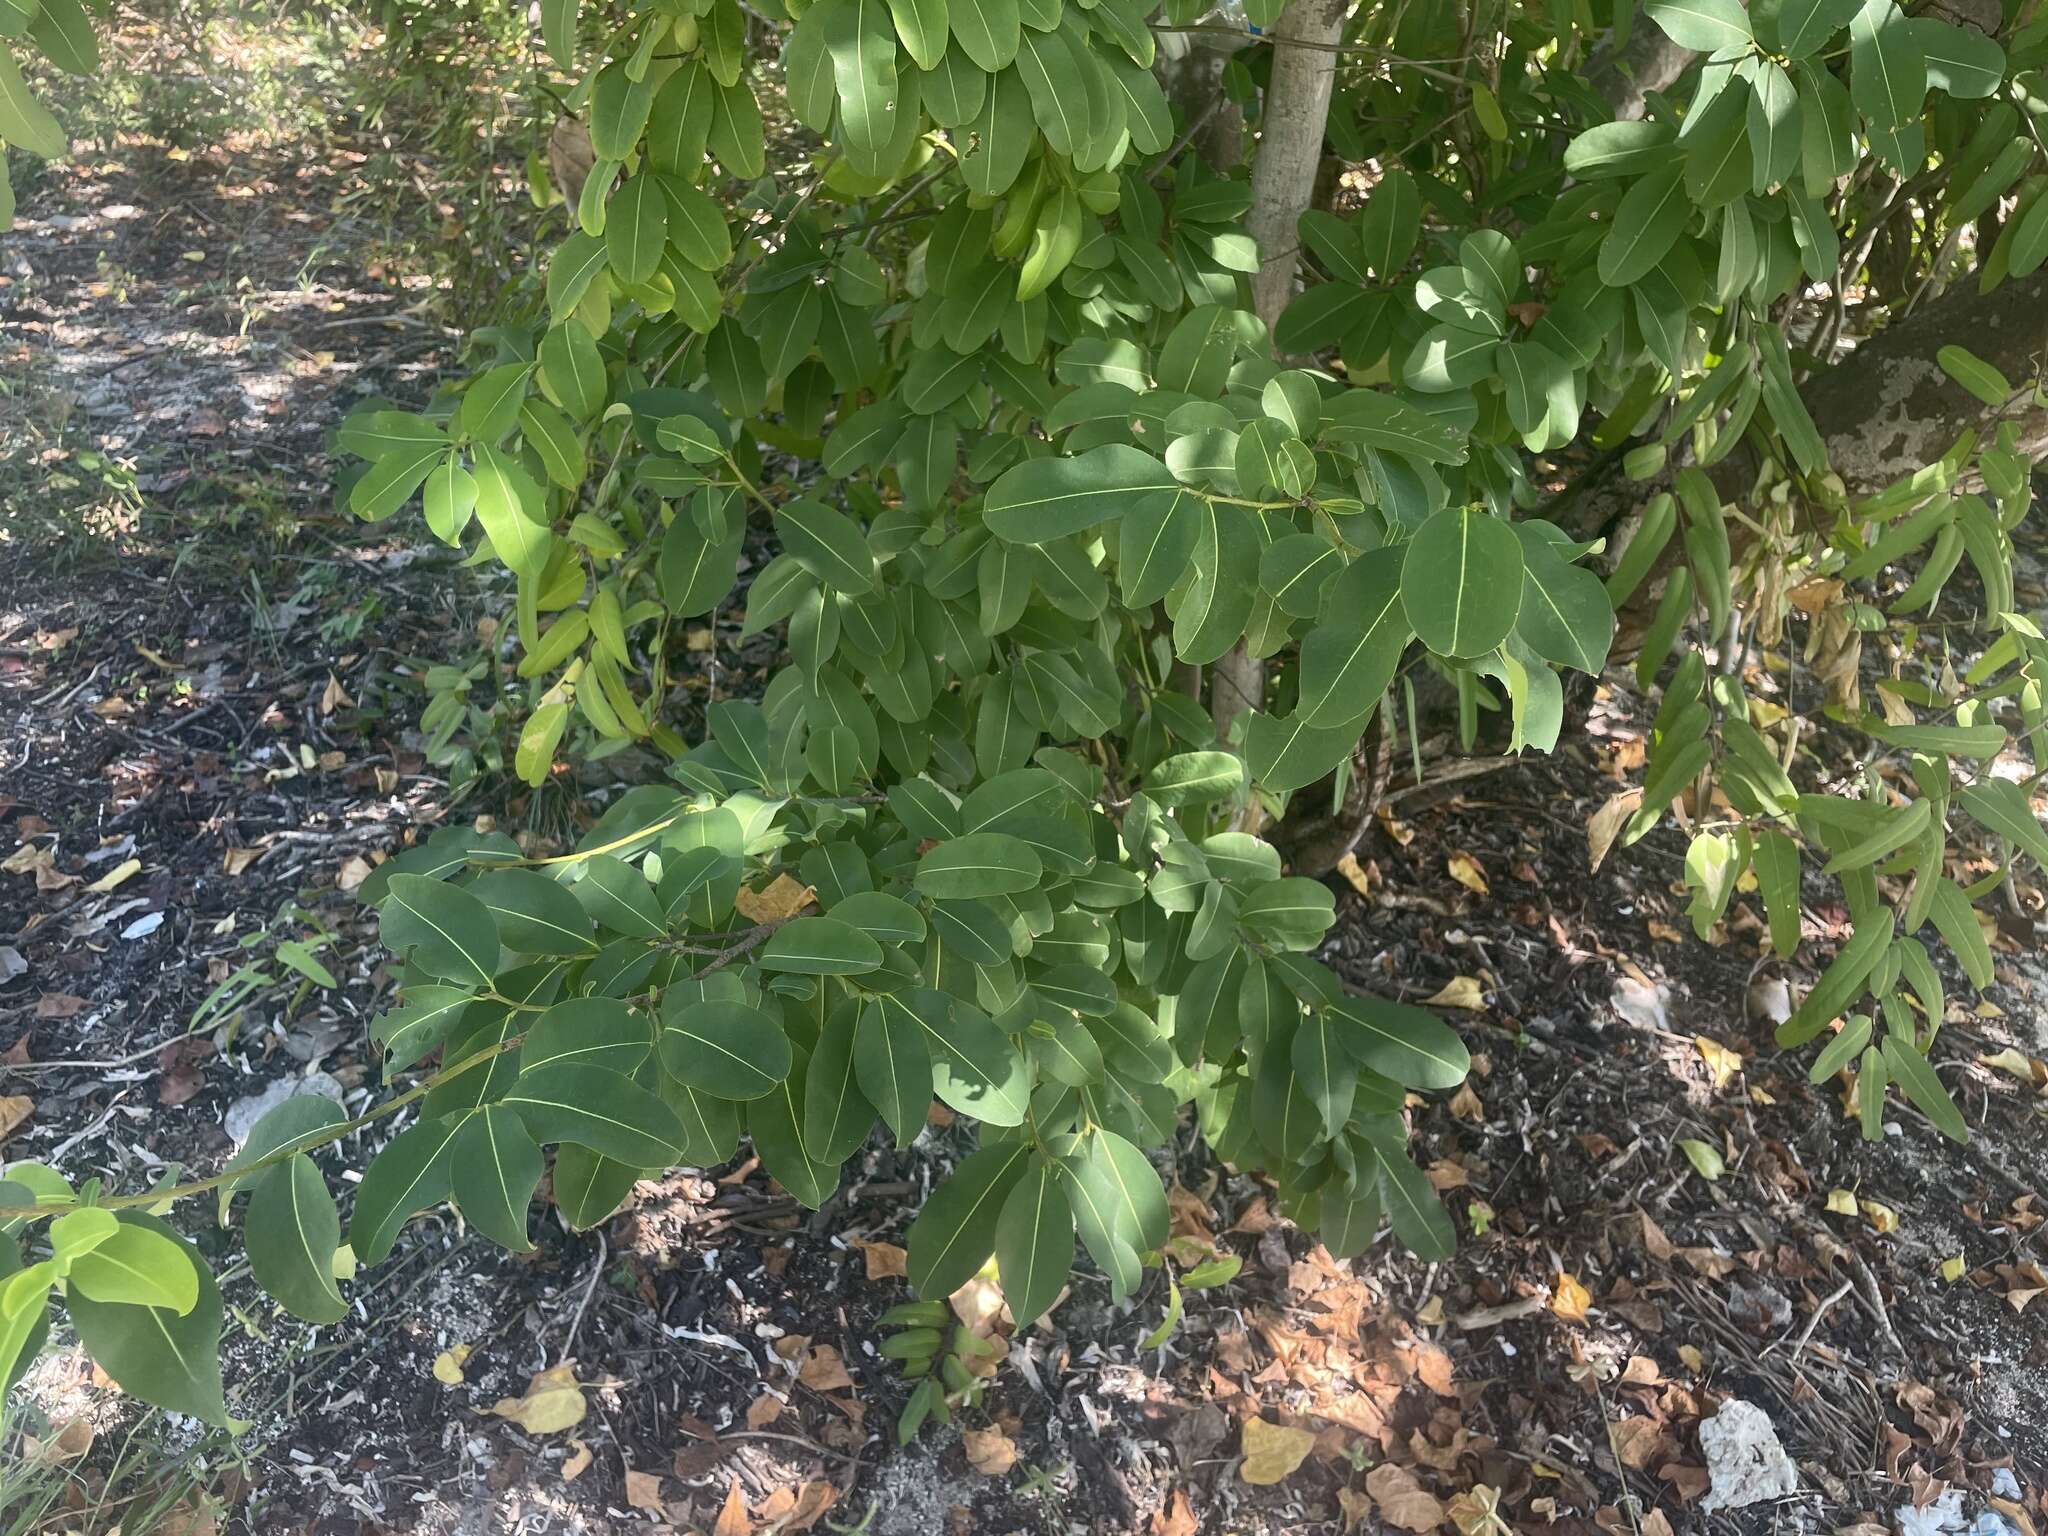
point(1292, 118)
point(1291, 124)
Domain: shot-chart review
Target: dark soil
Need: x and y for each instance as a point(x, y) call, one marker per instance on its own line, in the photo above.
point(179, 684)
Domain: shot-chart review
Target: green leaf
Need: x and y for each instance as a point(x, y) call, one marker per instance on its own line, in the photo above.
point(1647, 223)
point(1118, 1206)
point(1348, 660)
point(618, 897)
point(861, 40)
point(604, 1111)
point(1776, 862)
point(511, 508)
point(1705, 26)
point(166, 1358)
point(1461, 582)
point(955, 1233)
point(922, 26)
point(495, 1168)
point(1803, 25)
point(636, 228)
point(982, 864)
point(1566, 617)
point(1289, 754)
point(775, 1121)
point(820, 946)
point(1403, 1044)
point(1960, 60)
point(1369, 418)
point(1917, 1080)
point(1034, 1242)
point(2001, 806)
point(129, 1264)
point(534, 914)
point(976, 1069)
point(1419, 1218)
point(618, 111)
point(1045, 499)
point(1956, 921)
point(829, 545)
point(893, 1067)
point(292, 1231)
point(724, 1048)
point(24, 120)
point(409, 1175)
point(596, 1031)
point(1195, 778)
point(1626, 148)
point(1974, 374)
point(1390, 224)
point(836, 1114)
point(1323, 1067)
point(441, 929)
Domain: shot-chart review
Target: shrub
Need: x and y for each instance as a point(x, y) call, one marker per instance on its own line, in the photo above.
point(976, 351)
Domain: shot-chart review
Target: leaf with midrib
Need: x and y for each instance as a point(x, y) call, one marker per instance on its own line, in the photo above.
point(291, 1232)
point(1404, 1044)
point(495, 1169)
point(443, 929)
point(170, 1361)
point(726, 1049)
point(1034, 1242)
point(955, 1233)
point(894, 1068)
point(1049, 498)
point(407, 1176)
point(601, 1110)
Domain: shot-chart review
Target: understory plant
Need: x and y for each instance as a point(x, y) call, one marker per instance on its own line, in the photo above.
point(942, 341)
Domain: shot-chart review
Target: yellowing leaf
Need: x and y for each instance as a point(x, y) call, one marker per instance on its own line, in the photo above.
point(448, 1365)
point(1841, 1202)
point(1272, 1451)
point(1467, 871)
point(1880, 1216)
point(1705, 1158)
point(1477, 1512)
point(1569, 1298)
point(1605, 825)
point(1690, 1354)
point(1355, 873)
point(2010, 1062)
point(1952, 1269)
point(553, 1402)
point(113, 877)
point(1721, 1061)
point(1459, 992)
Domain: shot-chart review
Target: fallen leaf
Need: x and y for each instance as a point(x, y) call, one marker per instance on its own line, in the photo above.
point(1705, 1158)
point(989, 1451)
point(1354, 872)
point(1569, 1298)
point(824, 1370)
point(781, 898)
point(1402, 1500)
point(1356, 1506)
point(1841, 1202)
point(354, 871)
point(643, 1491)
point(1721, 1061)
point(732, 1515)
point(1459, 992)
point(578, 1462)
point(1272, 1451)
point(812, 1501)
point(1476, 1512)
point(1175, 1517)
point(1465, 1105)
point(552, 1403)
point(1690, 1354)
point(1605, 825)
point(235, 860)
point(884, 1260)
point(1468, 872)
point(59, 1005)
point(1952, 1269)
point(1880, 1216)
point(14, 1109)
point(448, 1365)
point(68, 1444)
point(763, 1411)
point(334, 696)
point(126, 869)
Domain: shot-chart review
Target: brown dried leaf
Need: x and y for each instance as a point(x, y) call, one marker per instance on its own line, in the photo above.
point(782, 897)
point(989, 1451)
point(884, 1260)
point(732, 1516)
point(1402, 1500)
point(1468, 872)
point(643, 1491)
point(14, 1110)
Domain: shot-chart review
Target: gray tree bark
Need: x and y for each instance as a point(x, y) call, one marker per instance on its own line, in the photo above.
point(1291, 124)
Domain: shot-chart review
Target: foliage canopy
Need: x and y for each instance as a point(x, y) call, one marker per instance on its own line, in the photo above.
point(937, 294)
